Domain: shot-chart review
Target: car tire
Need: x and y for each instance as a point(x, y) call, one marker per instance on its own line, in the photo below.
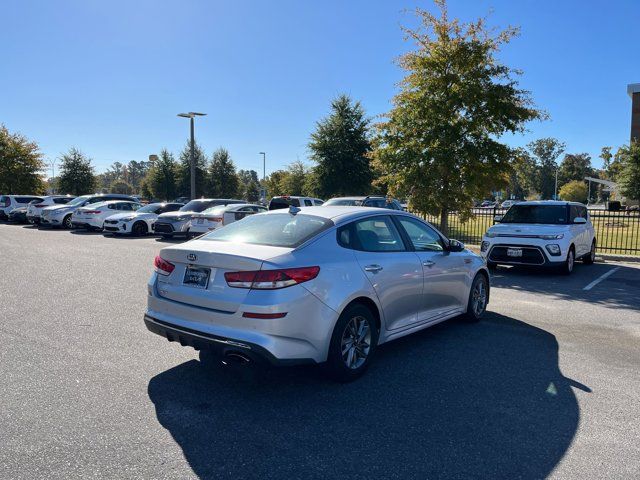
point(139, 229)
point(478, 298)
point(590, 257)
point(569, 263)
point(356, 330)
point(66, 222)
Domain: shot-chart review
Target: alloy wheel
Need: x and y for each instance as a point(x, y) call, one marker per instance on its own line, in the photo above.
point(479, 301)
point(356, 342)
point(570, 261)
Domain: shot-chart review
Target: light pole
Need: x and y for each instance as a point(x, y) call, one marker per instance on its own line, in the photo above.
point(192, 156)
point(264, 165)
point(52, 163)
point(555, 195)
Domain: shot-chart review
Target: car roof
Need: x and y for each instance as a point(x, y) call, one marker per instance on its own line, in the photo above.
point(341, 214)
point(110, 202)
point(550, 202)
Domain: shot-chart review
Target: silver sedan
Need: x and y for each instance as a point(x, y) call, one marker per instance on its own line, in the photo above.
point(314, 285)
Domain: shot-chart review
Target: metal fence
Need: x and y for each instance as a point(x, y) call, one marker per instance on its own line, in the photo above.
point(616, 232)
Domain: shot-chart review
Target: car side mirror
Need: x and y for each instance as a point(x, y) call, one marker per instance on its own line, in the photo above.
point(455, 246)
point(497, 218)
point(580, 220)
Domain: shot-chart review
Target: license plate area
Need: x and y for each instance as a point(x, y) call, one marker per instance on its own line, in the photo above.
point(196, 277)
point(514, 252)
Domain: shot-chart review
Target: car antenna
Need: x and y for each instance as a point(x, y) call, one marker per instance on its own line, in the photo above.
point(293, 209)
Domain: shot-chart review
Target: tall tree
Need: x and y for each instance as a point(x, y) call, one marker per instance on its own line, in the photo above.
point(294, 178)
point(20, 164)
point(575, 167)
point(440, 145)
point(523, 175)
point(546, 151)
point(252, 192)
point(246, 177)
point(629, 177)
point(136, 172)
point(273, 183)
point(161, 179)
point(184, 171)
point(76, 173)
point(223, 179)
point(340, 147)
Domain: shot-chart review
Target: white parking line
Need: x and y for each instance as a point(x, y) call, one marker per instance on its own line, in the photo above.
point(601, 278)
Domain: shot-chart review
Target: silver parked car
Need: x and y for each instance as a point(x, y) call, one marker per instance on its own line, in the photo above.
point(312, 285)
point(179, 223)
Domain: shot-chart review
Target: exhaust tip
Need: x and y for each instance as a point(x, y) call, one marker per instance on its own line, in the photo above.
point(236, 358)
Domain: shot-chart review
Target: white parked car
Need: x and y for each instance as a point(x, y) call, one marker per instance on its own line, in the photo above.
point(34, 209)
point(216, 217)
point(542, 233)
point(10, 202)
point(508, 203)
point(286, 201)
point(139, 222)
point(92, 216)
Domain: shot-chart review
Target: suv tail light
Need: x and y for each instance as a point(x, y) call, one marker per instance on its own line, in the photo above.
point(162, 266)
point(40, 205)
point(271, 279)
point(214, 219)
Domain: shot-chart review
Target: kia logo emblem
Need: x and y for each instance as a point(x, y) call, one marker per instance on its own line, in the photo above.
point(192, 257)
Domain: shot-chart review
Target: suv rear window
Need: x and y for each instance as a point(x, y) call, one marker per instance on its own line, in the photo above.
point(277, 230)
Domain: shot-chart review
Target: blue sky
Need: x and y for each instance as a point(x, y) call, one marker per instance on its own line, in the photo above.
point(109, 77)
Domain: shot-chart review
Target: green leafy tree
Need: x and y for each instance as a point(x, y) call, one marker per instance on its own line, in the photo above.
point(184, 171)
point(522, 177)
point(574, 191)
point(121, 186)
point(293, 180)
point(20, 164)
point(223, 179)
point(545, 152)
point(161, 178)
point(311, 186)
point(252, 192)
point(629, 177)
point(340, 147)
point(246, 177)
point(76, 173)
point(575, 167)
point(439, 145)
point(136, 172)
point(273, 183)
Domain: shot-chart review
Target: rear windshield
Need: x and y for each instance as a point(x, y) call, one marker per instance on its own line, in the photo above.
point(78, 200)
point(196, 206)
point(278, 230)
point(280, 203)
point(544, 214)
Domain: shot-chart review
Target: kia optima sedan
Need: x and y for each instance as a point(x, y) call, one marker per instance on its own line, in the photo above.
point(314, 285)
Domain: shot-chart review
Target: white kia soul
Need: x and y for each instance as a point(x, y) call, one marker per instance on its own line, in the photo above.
point(542, 233)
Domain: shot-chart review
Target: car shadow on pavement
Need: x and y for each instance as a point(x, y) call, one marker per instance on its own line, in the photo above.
point(619, 290)
point(458, 400)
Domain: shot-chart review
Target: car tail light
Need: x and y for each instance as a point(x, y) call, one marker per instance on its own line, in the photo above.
point(40, 205)
point(162, 266)
point(92, 212)
point(214, 219)
point(264, 316)
point(271, 279)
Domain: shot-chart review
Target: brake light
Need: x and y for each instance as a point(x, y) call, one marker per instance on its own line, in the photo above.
point(40, 205)
point(214, 219)
point(271, 279)
point(162, 266)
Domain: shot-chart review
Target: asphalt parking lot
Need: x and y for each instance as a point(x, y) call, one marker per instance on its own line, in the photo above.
point(546, 386)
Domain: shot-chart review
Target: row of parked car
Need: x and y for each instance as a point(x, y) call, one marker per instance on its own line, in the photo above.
point(127, 215)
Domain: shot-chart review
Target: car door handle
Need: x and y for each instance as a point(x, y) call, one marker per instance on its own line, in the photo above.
point(373, 268)
point(428, 263)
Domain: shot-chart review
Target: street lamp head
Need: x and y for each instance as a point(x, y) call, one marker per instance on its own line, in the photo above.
point(191, 114)
point(261, 153)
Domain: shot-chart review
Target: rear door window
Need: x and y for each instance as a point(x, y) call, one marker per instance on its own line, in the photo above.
point(374, 234)
point(308, 203)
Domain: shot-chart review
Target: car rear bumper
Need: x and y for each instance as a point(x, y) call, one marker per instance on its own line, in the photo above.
point(222, 345)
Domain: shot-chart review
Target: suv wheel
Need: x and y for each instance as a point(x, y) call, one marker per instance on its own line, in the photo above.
point(139, 229)
point(353, 343)
point(569, 263)
point(66, 223)
point(590, 257)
